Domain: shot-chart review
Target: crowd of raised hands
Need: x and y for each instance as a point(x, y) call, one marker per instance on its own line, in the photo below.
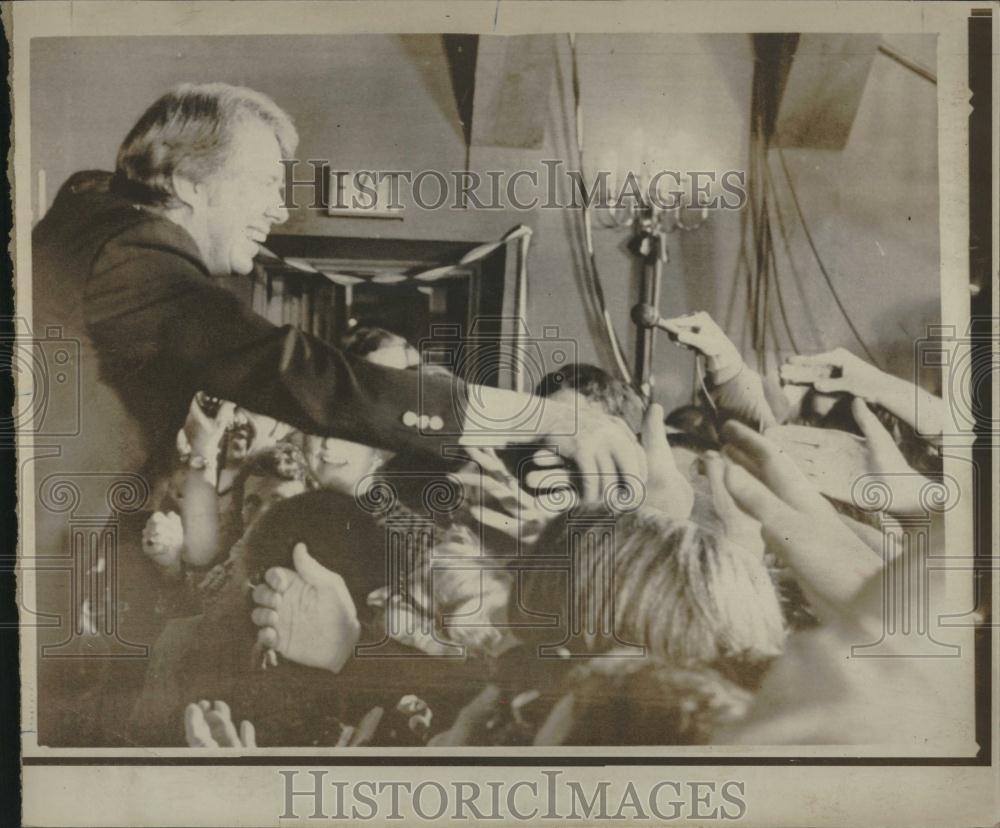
point(744, 573)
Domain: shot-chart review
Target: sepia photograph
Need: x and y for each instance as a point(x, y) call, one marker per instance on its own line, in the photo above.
point(461, 411)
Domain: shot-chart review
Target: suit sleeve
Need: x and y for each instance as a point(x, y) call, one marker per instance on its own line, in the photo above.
point(149, 299)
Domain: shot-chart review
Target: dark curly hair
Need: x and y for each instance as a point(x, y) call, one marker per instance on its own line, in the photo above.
point(282, 461)
point(617, 398)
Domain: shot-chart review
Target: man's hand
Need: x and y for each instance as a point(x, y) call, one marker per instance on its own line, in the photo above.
point(601, 447)
point(833, 371)
point(700, 332)
point(799, 525)
point(307, 615)
point(667, 489)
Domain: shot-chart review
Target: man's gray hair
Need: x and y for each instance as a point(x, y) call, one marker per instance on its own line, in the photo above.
point(189, 131)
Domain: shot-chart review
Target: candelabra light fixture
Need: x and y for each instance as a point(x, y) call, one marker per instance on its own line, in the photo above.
point(654, 205)
point(651, 202)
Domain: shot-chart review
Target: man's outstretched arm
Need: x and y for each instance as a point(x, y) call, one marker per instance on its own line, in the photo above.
point(150, 298)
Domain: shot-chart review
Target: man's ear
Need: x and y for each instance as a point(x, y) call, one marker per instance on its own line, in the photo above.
point(188, 192)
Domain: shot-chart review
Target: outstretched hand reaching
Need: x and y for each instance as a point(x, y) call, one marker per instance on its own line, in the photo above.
point(820, 691)
point(799, 525)
point(666, 488)
point(887, 464)
point(700, 332)
point(841, 371)
point(306, 615)
point(738, 526)
point(211, 726)
point(202, 432)
point(840, 464)
point(600, 449)
point(833, 371)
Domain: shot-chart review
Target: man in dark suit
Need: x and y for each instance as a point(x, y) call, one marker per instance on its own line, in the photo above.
point(123, 267)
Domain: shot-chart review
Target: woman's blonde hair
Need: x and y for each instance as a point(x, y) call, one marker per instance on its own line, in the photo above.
point(682, 592)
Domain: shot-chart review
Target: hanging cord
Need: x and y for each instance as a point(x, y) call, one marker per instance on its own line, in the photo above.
point(765, 280)
point(767, 265)
point(786, 323)
point(796, 277)
point(741, 262)
point(760, 262)
point(746, 332)
point(758, 294)
point(754, 223)
point(819, 261)
point(781, 304)
point(743, 267)
point(592, 270)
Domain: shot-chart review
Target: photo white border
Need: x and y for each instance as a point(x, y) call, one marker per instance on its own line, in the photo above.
point(165, 791)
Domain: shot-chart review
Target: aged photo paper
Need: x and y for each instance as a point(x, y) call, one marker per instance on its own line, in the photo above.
point(565, 412)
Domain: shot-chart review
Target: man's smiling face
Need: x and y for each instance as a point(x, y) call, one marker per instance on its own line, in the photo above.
point(240, 202)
